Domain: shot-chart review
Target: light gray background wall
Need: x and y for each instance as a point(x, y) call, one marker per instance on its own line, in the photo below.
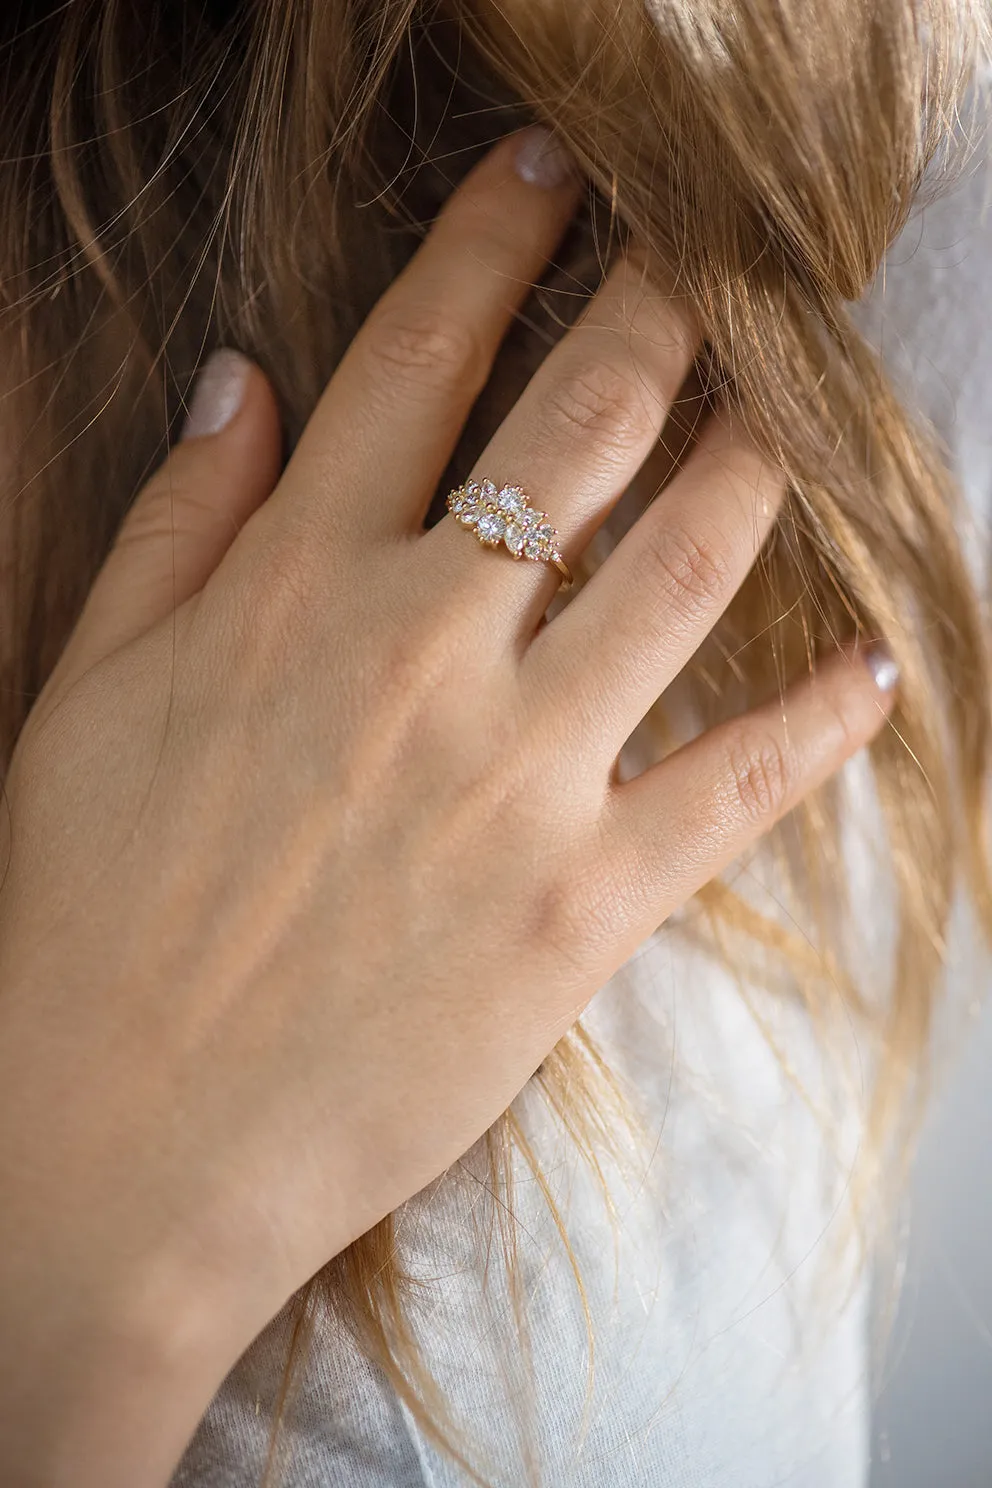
point(933, 1421)
point(932, 316)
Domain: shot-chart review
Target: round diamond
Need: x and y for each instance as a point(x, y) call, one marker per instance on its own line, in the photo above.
point(511, 500)
point(546, 533)
point(491, 526)
point(471, 488)
point(530, 518)
point(487, 491)
point(534, 547)
point(514, 537)
point(460, 501)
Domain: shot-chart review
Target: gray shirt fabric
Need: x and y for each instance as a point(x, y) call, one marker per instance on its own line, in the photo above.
point(730, 1330)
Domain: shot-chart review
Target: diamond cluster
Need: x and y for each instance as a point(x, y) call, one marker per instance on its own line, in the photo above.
point(504, 516)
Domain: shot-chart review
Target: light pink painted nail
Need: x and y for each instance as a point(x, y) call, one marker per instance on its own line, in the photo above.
point(542, 160)
point(218, 394)
point(883, 666)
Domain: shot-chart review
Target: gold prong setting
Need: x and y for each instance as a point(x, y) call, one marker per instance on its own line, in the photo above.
point(504, 515)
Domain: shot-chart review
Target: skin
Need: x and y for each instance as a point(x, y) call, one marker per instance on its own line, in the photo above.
point(316, 841)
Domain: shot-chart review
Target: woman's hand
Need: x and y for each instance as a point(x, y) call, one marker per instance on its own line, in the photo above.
point(316, 845)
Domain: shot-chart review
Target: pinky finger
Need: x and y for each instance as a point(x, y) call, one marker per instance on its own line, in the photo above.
point(672, 829)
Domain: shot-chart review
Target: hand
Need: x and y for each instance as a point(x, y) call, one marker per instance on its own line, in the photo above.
point(316, 845)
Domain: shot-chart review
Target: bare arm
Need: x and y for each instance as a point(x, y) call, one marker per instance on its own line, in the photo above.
point(306, 782)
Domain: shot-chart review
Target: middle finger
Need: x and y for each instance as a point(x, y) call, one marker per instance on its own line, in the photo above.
point(576, 438)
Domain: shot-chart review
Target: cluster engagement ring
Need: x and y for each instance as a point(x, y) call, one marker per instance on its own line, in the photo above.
point(504, 515)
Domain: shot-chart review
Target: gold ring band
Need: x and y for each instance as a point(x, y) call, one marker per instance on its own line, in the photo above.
point(502, 514)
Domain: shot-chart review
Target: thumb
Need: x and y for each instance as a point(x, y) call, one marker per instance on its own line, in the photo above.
point(184, 520)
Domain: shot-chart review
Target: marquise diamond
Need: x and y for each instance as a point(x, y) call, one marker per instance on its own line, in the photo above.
point(514, 537)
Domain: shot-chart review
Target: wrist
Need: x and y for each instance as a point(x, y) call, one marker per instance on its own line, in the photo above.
point(103, 1387)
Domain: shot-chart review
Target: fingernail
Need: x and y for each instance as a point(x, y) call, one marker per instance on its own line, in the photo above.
point(217, 395)
point(542, 160)
point(883, 666)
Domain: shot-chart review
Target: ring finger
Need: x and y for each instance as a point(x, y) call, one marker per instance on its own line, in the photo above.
point(578, 435)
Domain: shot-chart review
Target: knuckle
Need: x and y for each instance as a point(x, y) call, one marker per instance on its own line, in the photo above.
point(421, 347)
point(600, 405)
point(572, 913)
point(282, 592)
point(762, 775)
point(557, 919)
point(694, 569)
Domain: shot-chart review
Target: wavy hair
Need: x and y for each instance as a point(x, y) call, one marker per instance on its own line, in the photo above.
point(178, 176)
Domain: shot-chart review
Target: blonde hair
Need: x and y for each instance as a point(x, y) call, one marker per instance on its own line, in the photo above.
point(190, 178)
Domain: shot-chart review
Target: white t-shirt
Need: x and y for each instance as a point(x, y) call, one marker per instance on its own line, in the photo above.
point(716, 1364)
